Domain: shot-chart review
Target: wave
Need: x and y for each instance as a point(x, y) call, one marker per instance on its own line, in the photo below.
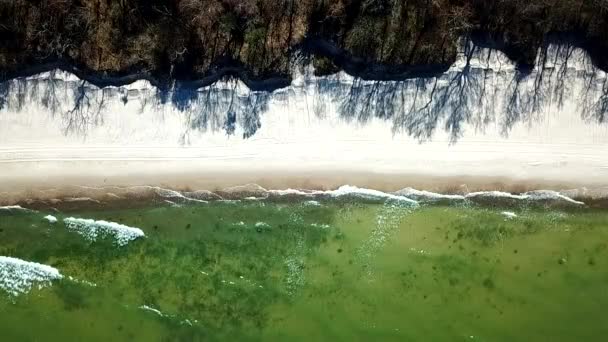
point(541, 195)
point(14, 209)
point(423, 195)
point(415, 197)
point(82, 282)
point(155, 311)
point(509, 215)
point(349, 190)
point(19, 276)
point(176, 196)
point(407, 196)
point(345, 191)
point(312, 203)
point(530, 196)
point(257, 192)
point(488, 196)
point(50, 218)
point(494, 195)
point(91, 229)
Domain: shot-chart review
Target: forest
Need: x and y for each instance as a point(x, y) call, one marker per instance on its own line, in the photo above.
point(168, 40)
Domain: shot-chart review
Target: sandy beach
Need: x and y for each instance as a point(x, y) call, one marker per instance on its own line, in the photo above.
point(58, 135)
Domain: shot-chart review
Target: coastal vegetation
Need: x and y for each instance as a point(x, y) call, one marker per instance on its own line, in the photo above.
point(261, 39)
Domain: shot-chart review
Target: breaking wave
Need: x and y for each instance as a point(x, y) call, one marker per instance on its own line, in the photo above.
point(50, 219)
point(19, 276)
point(547, 196)
point(407, 196)
point(91, 230)
point(14, 209)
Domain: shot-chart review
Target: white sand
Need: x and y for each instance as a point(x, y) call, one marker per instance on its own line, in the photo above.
point(302, 142)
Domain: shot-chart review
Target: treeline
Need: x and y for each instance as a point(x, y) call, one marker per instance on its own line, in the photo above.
point(188, 39)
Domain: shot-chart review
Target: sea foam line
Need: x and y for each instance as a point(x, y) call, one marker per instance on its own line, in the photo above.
point(50, 218)
point(19, 276)
point(413, 196)
point(15, 208)
point(346, 190)
point(536, 195)
point(91, 229)
point(407, 195)
point(161, 314)
point(427, 195)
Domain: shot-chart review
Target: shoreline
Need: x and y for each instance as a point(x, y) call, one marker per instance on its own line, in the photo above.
point(134, 190)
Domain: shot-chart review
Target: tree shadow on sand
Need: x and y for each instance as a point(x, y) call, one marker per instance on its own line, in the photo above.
point(481, 88)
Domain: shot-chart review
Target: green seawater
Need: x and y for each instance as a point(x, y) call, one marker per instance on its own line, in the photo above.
point(341, 271)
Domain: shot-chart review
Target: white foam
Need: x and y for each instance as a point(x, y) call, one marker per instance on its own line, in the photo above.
point(13, 208)
point(186, 322)
point(550, 195)
point(426, 195)
point(412, 195)
point(408, 194)
point(349, 190)
point(312, 203)
point(19, 276)
point(229, 201)
point(161, 314)
point(494, 194)
point(167, 193)
point(81, 199)
point(296, 192)
point(509, 215)
point(153, 310)
point(536, 195)
point(91, 229)
point(345, 190)
point(88, 283)
point(50, 218)
point(173, 204)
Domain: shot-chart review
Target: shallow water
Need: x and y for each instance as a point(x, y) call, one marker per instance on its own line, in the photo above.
point(341, 270)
